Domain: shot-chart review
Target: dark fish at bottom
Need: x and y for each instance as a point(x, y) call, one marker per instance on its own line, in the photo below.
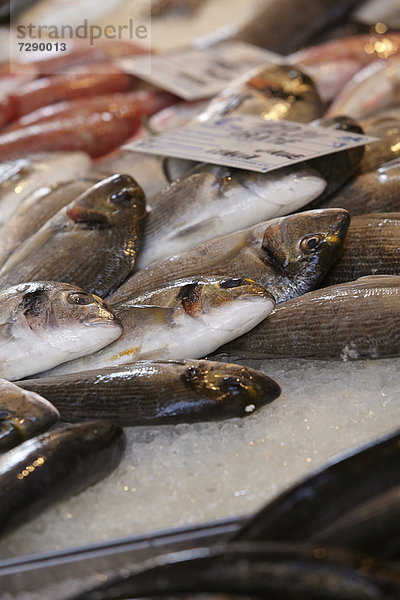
point(55, 466)
point(158, 392)
point(328, 495)
point(23, 414)
point(265, 570)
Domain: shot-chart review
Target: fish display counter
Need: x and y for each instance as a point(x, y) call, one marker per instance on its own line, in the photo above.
point(199, 362)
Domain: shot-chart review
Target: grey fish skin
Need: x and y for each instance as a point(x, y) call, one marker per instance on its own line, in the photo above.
point(43, 324)
point(274, 253)
point(23, 415)
point(373, 191)
point(348, 321)
point(33, 212)
point(55, 466)
point(158, 392)
point(264, 570)
point(371, 247)
point(92, 242)
point(311, 505)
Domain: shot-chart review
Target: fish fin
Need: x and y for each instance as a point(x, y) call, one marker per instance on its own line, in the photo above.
point(90, 217)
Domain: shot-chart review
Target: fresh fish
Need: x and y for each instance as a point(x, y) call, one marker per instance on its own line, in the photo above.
point(371, 247)
point(386, 127)
point(184, 318)
point(311, 505)
point(46, 323)
point(288, 256)
point(372, 89)
point(40, 209)
point(97, 135)
point(84, 107)
point(92, 242)
point(34, 176)
point(211, 201)
point(373, 191)
point(354, 320)
point(23, 415)
point(285, 25)
point(333, 63)
point(55, 466)
point(87, 80)
point(273, 570)
point(274, 92)
point(158, 392)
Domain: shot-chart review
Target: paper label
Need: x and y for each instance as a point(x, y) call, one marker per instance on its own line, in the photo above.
point(249, 142)
point(193, 74)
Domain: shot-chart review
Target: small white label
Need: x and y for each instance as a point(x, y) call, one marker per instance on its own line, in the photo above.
point(193, 74)
point(249, 142)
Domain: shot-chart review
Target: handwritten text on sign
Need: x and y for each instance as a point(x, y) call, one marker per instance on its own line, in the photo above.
point(249, 142)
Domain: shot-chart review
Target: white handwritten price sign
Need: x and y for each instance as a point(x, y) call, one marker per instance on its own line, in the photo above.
point(193, 74)
point(249, 142)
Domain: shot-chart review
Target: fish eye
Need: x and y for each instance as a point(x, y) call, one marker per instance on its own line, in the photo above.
point(123, 196)
point(231, 283)
point(80, 298)
point(310, 242)
point(5, 415)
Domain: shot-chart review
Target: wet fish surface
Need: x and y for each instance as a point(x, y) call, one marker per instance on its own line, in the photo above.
point(55, 466)
point(266, 570)
point(92, 242)
point(45, 323)
point(288, 256)
point(354, 320)
point(373, 191)
point(40, 209)
point(34, 176)
point(185, 318)
point(371, 247)
point(23, 414)
point(158, 392)
point(311, 505)
point(210, 201)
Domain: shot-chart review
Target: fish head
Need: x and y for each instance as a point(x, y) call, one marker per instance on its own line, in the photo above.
point(237, 389)
point(284, 92)
point(230, 304)
point(23, 414)
point(108, 202)
point(68, 319)
point(303, 246)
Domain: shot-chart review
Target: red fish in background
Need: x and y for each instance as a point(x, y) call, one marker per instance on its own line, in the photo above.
point(96, 129)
